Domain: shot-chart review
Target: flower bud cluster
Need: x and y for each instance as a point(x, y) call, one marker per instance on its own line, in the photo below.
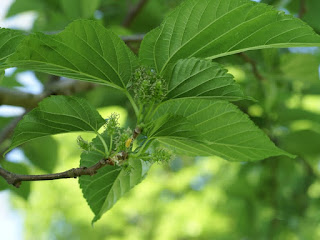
point(161, 155)
point(112, 124)
point(84, 145)
point(148, 86)
point(123, 140)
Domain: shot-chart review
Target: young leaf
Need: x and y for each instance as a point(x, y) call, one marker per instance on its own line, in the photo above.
point(105, 188)
point(221, 129)
point(216, 28)
point(202, 78)
point(9, 40)
point(85, 50)
point(57, 114)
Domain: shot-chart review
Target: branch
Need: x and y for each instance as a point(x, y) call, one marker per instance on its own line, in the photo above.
point(302, 9)
point(7, 131)
point(133, 12)
point(16, 179)
point(18, 98)
point(253, 64)
point(132, 38)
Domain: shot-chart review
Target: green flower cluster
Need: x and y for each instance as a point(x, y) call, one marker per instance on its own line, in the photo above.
point(112, 124)
point(161, 155)
point(148, 86)
point(123, 140)
point(84, 145)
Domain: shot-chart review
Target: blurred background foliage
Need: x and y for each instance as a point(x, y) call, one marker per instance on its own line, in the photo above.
point(189, 198)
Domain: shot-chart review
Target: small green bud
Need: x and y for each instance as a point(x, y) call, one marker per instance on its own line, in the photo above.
point(84, 145)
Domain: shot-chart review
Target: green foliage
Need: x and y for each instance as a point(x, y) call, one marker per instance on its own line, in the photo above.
point(9, 40)
point(221, 129)
point(202, 78)
point(105, 188)
point(85, 50)
point(216, 28)
point(57, 114)
point(181, 99)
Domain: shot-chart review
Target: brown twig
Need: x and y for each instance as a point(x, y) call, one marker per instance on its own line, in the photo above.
point(253, 64)
point(133, 12)
point(16, 179)
point(302, 9)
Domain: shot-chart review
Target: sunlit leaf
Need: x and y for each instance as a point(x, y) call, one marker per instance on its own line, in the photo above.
point(85, 50)
point(105, 188)
point(216, 28)
point(218, 128)
point(9, 40)
point(57, 114)
point(202, 78)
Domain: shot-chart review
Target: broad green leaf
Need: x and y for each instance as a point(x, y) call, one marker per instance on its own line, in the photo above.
point(105, 188)
point(85, 50)
point(79, 8)
point(221, 129)
point(9, 40)
point(18, 168)
point(57, 114)
point(216, 28)
point(202, 78)
point(42, 152)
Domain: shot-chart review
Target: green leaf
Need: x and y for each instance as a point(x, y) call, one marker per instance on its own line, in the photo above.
point(9, 40)
point(221, 129)
point(18, 168)
point(105, 188)
point(57, 114)
point(79, 9)
point(202, 78)
point(42, 152)
point(85, 50)
point(216, 28)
